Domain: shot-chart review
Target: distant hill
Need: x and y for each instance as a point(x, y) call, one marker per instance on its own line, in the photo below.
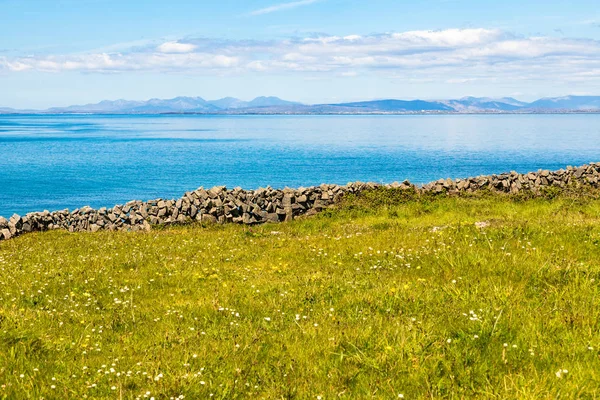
point(475, 104)
point(152, 106)
point(175, 105)
point(567, 103)
point(229, 103)
point(270, 102)
point(275, 105)
point(6, 110)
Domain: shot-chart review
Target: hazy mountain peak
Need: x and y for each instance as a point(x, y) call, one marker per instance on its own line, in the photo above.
point(229, 103)
point(266, 101)
point(274, 105)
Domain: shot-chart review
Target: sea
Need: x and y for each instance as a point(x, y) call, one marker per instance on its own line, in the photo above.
point(53, 162)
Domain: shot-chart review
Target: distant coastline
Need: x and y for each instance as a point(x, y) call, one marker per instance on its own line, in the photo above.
point(277, 106)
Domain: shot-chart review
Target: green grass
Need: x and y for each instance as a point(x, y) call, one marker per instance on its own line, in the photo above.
point(402, 297)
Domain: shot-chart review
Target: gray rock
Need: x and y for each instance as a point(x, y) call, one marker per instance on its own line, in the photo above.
point(5, 234)
point(211, 219)
point(272, 217)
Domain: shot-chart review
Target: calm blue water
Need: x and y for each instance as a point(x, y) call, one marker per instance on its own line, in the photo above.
point(54, 162)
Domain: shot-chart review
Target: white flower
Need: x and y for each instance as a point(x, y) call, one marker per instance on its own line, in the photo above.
point(449, 341)
point(561, 372)
point(400, 396)
point(267, 319)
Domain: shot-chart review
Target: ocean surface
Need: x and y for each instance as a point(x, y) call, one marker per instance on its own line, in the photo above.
point(54, 162)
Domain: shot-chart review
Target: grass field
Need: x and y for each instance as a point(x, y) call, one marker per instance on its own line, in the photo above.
point(487, 297)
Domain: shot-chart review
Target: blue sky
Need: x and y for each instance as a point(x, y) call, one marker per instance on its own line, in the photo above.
point(62, 52)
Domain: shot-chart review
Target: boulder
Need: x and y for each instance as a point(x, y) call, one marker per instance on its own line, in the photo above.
point(211, 219)
point(5, 234)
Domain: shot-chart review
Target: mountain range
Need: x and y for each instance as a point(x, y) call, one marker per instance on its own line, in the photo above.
point(275, 105)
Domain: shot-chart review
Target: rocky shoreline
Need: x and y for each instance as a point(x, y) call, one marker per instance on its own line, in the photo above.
point(220, 205)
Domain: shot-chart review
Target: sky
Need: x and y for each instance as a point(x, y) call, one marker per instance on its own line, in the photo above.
point(64, 52)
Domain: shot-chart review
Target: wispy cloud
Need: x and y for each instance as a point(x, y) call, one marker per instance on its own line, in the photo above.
point(282, 6)
point(453, 56)
point(176, 47)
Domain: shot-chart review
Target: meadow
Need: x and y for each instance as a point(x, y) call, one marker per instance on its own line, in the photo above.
point(385, 296)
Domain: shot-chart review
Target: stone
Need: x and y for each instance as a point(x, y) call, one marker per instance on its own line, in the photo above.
point(272, 217)
point(288, 199)
point(280, 211)
point(211, 219)
point(5, 234)
point(16, 221)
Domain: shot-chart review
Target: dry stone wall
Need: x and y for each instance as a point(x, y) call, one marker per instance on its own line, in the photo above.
point(220, 205)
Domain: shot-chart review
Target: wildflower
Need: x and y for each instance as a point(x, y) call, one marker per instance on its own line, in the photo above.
point(449, 341)
point(561, 372)
point(267, 319)
point(400, 396)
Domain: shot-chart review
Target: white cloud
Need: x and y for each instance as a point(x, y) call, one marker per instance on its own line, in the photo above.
point(104, 63)
point(448, 56)
point(449, 37)
point(282, 6)
point(176, 47)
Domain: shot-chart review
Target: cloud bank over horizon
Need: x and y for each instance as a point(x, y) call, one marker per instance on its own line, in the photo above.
point(450, 55)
